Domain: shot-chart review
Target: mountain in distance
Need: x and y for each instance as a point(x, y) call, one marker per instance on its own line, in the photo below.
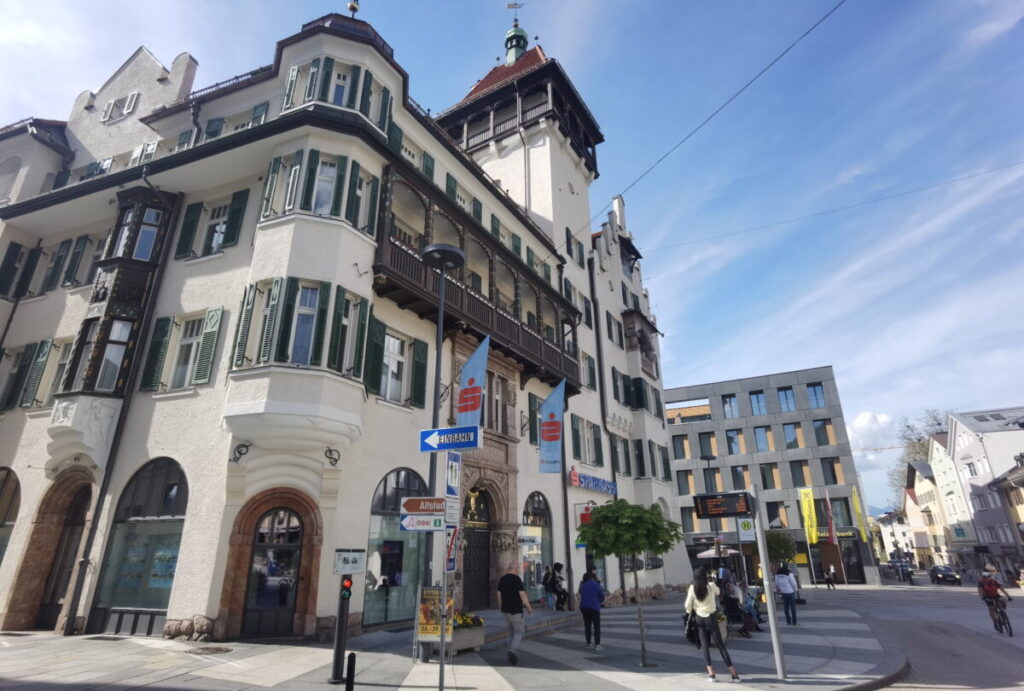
point(878, 510)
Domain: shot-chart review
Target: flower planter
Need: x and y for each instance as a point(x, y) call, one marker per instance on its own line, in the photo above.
point(468, 638)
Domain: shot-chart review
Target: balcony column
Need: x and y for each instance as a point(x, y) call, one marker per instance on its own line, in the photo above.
point(491, 114)
point(492, 289)
point(386, 214)
point(465, 134)
point(519, 108)
point(517, 298)
point(551, 94)
point(428, 225)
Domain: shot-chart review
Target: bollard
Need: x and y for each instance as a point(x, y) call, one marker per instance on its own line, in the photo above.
point(350, 672)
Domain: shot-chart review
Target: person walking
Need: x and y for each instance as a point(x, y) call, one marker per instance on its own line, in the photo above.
point(830, 577)
point(512, 601)
point(549, 587)
point(561, 594)
point(700, 604)
point(786, 585)
point(591, 597)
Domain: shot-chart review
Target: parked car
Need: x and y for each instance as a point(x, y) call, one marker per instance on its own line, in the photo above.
point(944, 574)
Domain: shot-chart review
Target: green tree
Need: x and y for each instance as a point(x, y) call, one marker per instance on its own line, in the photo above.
point(628, 530)
point(781, 547)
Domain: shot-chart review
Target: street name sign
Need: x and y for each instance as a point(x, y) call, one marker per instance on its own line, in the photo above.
point(446, 438)
point(422, 522)
point(423, 505)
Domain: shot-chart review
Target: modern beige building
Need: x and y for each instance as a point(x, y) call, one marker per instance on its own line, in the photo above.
point(219, 341)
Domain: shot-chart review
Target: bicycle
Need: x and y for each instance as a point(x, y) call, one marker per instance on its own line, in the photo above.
point(1002, 620)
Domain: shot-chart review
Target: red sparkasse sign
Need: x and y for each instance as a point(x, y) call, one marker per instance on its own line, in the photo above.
point(423, 505)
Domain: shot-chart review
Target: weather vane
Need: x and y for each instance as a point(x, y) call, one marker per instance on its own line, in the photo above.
point(353, 7)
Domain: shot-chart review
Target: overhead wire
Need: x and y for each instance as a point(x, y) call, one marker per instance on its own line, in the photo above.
point(705, 121)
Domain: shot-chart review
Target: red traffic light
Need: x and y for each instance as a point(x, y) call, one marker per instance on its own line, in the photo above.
point(346, 583)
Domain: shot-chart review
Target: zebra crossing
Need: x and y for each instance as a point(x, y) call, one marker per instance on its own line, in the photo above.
point(830, 648)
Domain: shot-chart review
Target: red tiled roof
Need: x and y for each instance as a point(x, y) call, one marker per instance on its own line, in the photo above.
point(502, 74)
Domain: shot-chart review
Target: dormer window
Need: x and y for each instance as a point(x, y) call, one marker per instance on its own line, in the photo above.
point(120, 107)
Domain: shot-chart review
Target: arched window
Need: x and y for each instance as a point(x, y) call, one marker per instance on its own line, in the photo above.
point(394, 557)
point(10, 500)
point(141, 556)
point(535, 543)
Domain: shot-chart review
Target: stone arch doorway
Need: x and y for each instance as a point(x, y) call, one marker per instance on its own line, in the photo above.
point(47, 569)
point(289, 521)
point(476, 559)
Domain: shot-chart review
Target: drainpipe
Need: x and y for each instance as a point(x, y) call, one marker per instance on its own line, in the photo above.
point(526, 149)
point(601, 391)
point(129, 389)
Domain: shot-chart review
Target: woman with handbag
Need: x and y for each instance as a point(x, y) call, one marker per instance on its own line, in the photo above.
point(701, 606)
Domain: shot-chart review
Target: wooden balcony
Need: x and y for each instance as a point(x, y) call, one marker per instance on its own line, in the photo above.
point(402, 277)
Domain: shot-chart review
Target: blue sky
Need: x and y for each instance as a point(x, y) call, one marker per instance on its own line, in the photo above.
point(916, 301)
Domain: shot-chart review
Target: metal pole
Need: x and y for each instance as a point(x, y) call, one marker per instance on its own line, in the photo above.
point(340, 636)
point(565, 519)
point(760, 520)
point(435, 420)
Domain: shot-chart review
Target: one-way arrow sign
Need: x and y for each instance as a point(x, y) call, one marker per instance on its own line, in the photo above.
point(450, 438)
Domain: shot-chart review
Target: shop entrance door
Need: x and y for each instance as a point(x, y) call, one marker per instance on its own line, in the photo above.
point(273, 575)
point(64, 561)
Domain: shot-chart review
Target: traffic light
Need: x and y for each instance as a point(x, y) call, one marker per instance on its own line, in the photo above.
point(346, 587)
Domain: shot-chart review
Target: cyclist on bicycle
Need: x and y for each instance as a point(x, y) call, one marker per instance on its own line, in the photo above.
point(988, 589)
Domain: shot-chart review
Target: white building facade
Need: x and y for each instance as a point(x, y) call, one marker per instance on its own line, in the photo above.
point(219, 343)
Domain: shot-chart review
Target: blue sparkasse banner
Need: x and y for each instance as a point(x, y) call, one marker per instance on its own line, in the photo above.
point(551, 428)
point(470, 402)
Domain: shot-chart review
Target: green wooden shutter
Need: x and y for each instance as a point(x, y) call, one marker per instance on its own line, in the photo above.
point(289, 92)
point(320, 328)
point(352, 205)
point(27, 272)
point(269, 185)
point(9, 267)
point(418, 399)
point(207, 346)
point(579, 253)
point(615, 384)
point(531, 258)
point(364, 101)
point(591, 372)
point(336, 344)
point(638, 453)
point(284, 335)
point(270, 323)
point(71, 272)
point(243, 325)
point(385, 103)
point(627, 391)
point(311, 80)
point(16, 378)
point(188, 230)
point(577, 438)
point(259, 114)
point(478, 210)
point(353, 87)
point(598, 449)
point(35, 373)
point(214, 126)
point(236, 212)
point(450, 185)
point(546, 269)
point(428, 166)
point(309, 185)
point(533, 406)
point(53, 276)
point(371, 222)
point(374, 355)
point(62, 177)
point(627, 465)
point(495, 226)
point(357, 360)
point(517, 245)
point(613, 447)
point(395, 138)
point(154, 367)
point(326, 78)
point(568, 241)
point(339, 185)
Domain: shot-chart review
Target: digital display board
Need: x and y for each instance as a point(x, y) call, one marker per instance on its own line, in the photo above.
point(722, 505)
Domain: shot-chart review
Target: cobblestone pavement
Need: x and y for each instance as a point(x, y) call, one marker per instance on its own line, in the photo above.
point(832, 648)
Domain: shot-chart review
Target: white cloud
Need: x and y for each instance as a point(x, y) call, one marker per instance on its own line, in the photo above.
point(1002, 18)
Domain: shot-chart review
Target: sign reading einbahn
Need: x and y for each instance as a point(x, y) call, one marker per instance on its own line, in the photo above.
point(722, 505)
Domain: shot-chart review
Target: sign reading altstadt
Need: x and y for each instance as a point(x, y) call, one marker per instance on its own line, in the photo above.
point(722, 505)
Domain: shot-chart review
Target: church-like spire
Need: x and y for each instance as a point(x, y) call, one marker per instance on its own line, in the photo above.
point(515, 43)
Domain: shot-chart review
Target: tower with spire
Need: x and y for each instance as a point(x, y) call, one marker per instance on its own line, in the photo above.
point(515, 43)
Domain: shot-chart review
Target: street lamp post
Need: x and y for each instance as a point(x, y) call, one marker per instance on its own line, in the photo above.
point(444, 258)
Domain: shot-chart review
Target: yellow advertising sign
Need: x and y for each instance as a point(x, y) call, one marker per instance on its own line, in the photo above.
point(859, 514)
point(810, 516)
point(428, 616)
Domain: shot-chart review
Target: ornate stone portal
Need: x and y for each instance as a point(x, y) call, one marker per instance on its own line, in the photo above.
point(492, 469)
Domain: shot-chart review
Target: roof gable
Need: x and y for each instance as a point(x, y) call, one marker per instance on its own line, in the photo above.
point(503, 74)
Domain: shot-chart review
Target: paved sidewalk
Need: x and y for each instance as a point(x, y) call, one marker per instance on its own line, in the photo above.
point(831, 649)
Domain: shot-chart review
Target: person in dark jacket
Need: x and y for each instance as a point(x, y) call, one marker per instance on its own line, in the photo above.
point(549, 587)
point(561, 594)
point(591, 597)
